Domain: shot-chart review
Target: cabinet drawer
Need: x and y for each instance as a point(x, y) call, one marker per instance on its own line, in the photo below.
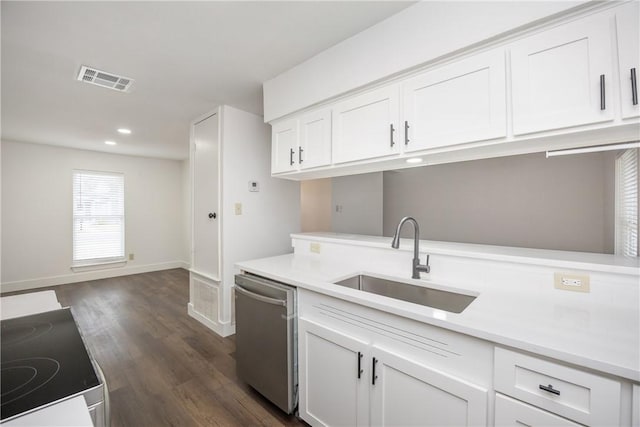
point(510, 412)
point(581, 396)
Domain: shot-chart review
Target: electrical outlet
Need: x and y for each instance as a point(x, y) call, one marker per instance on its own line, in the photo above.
point(238, 208)
point(572, 282)
point(131, 257)
point(314, 247)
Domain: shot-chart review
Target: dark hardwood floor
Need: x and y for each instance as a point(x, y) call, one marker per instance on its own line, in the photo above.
point(162, 366)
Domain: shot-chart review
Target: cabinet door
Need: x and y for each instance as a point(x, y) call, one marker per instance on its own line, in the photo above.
point(284, 146)
point(366, 126)
point(206, 242)
point(510, 412)
point(331, 394)
point(315, 139)
point(407, 393)
point(460, 102)
point(627, 18)
point(562, 77)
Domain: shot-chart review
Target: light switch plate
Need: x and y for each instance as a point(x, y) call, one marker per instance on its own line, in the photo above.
point(238, 208)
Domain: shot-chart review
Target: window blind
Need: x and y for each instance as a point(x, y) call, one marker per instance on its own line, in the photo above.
point(626, 227)
point(98, 217)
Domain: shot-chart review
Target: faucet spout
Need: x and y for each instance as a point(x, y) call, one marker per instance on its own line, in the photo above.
point(395, 243)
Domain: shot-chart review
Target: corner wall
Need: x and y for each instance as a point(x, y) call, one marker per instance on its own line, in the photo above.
point(37, 214)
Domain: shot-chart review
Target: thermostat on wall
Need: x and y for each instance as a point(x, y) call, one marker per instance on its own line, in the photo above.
point(254, 186)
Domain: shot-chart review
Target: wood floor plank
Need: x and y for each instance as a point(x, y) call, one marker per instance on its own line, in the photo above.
point(163, 368)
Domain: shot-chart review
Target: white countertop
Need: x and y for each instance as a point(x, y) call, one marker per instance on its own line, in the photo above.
point(597, 336)
point(68, 413)
point(26, 304)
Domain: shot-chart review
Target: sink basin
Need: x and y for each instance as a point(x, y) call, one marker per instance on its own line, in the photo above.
point(430, 297)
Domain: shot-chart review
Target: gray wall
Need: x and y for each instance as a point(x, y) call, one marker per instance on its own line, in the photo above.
point(357, 204)
point(563, 203)
point(315, 205)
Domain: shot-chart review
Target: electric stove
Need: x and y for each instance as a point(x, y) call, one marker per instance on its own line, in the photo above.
point(44, 360)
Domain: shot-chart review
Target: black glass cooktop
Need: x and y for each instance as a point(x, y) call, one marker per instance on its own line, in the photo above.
point(43, 360)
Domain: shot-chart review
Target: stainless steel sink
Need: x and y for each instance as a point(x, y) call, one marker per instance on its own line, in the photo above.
point(430, 297)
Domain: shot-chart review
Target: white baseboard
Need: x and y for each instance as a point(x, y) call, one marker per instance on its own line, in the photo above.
point(43, 282)
point(222, 329)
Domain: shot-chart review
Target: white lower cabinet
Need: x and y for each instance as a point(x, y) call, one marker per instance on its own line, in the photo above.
point(333, 391)
point(510, 412)
point(407, 393)
point(574, 394)
point(349, 381)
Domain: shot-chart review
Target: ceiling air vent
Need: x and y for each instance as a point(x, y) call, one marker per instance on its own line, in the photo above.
point(104, 79)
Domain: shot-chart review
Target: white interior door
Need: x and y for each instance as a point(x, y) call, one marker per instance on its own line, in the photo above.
point(206, 202)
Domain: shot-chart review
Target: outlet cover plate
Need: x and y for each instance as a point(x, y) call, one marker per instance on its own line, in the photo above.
point(572, 282)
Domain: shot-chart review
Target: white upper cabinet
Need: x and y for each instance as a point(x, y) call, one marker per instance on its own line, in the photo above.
point(366, 126)
point(315, 139)
point(460, 102)
point(303, 142)
point(562, 77)
point(628, 32)
point(284, 140)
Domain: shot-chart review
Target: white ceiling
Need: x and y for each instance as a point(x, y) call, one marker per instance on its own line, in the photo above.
point(185, 57)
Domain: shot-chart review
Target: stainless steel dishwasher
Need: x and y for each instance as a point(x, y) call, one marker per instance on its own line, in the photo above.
point(266, 338)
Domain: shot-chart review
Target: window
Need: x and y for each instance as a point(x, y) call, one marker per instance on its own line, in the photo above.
point(98, 217)
point(626, 227)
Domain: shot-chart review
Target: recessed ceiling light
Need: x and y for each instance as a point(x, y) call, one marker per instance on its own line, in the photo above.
point(414, 160)
point(110, 142)
point(124, 131)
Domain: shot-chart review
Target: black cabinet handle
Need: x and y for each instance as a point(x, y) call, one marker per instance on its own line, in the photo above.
point(603, 104)
point(300, 150)
point(391, 131)
point(291, 156)
point(634, 87)
point(212, 215)
point(359, 365)
point(406, 132)
point(374, 377)
point(549, 388)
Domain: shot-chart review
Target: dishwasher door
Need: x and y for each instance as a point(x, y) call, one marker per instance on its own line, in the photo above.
point(266, 338)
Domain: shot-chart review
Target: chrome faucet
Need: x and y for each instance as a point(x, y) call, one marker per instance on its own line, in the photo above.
point(417, 267)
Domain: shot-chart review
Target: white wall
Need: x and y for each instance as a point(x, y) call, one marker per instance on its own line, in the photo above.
point(186, 208)
point(37, 213)
point(563, 203)
point(268, 216)
point(414, 36)
point(357, 204)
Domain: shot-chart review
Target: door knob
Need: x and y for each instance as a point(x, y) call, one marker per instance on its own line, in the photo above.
point(212, 215)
